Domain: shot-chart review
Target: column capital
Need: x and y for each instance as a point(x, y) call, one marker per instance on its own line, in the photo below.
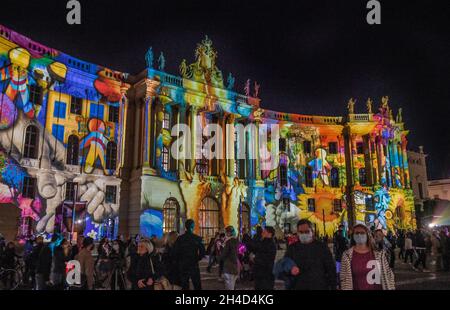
point(151, 87)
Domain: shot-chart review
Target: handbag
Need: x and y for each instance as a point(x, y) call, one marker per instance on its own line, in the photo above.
point(162, 283)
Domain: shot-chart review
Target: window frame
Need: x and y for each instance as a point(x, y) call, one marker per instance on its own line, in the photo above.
point(31, 144)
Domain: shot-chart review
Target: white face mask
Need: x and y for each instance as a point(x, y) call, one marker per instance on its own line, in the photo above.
point(306, 238)
point(360, 239)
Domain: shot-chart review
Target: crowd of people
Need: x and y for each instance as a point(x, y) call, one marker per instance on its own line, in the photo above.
point(360, 259)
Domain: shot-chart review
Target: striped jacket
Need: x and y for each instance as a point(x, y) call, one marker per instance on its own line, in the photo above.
point(387, 276)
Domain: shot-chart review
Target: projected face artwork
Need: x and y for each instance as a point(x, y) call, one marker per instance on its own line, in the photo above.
point(75, 134)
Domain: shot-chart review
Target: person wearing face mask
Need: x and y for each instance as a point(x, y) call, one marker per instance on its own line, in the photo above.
point(314, 265)
point(363, 267)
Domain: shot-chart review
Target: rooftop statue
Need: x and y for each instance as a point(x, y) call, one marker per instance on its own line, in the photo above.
point(230, 81)
point(384, 102)
point(149, 57)
point(369, 105)
point(399, 116)
point(183, 68)
point(256, 93)
point(351, 106)
point(161, 62)
point(247, 88)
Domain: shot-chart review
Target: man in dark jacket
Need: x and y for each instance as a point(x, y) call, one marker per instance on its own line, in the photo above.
point(265, 252)
point(420, 247)
point(33, 259)
point(315, 268)
point(44, 265)
point(190, 250)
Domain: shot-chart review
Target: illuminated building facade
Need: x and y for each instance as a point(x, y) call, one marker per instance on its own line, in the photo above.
point(322, 161)
point(117, 132)
point(61, 126)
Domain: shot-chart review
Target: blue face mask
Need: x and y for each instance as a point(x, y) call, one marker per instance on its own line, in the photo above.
point(305, 238)
point(360, 239)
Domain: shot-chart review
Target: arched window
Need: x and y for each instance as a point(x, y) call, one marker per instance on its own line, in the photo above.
point(171, 216)
point(111, 156)
point(244, 218)
point(334, 177)
point(362, 177)
point(72, 150)
point(30, 149)
point(208, 218)
point(308, 177)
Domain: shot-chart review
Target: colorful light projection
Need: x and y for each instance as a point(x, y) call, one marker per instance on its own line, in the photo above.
point(37, 84)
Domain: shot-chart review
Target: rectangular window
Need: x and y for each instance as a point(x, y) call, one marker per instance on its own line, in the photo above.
point(70, 191)
point(165, 158)
point(332, 148)
point(360, 148)
point(35, 94)
point(59, 109)
point(113, 114)
point(420, 190)
point(29, 187)
point(337, 205)
point(307, 147)
point(96, 110)
point(58, 132)
point(166, 121)
point(362, 177)
point(311, 205)
point(110, 194)
point(76, 105)
point(369, 204)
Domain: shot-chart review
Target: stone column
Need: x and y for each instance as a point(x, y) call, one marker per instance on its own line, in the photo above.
point(193, 124)
point(149, 122)
point(257, 165)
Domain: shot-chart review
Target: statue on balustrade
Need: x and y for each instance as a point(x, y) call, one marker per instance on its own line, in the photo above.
point(149, 57)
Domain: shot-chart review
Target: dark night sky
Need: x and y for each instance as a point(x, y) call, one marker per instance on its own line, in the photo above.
point(308, 56)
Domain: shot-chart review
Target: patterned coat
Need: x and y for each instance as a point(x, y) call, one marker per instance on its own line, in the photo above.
point(387, 276)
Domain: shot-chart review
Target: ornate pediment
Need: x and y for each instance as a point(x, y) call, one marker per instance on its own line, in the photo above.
point(204, 69)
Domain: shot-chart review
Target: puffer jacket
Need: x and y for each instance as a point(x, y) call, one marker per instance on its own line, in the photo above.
point(387, 276)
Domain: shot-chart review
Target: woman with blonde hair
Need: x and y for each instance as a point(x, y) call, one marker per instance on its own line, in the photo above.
point(363, 267)
point(144, 268)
